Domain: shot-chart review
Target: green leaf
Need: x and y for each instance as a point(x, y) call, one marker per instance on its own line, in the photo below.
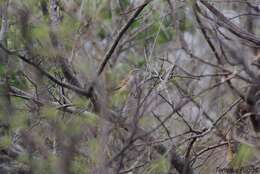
point(49, 112)
point(2, 70)
point(40, 32)
point(68, 30)
point(101, 33)
point(18, 80)
point(2, 1)
point(119, 97)
point(135, 24)
point(159, 166)
point(94, 149)
point(244, 154)
point(43, 166)
point(24, 158)
point(68, 26)
point(105, 13)
point(79, 165)
point(5, 141)
point(91, 118)
point(20, 120)
point(124, 3)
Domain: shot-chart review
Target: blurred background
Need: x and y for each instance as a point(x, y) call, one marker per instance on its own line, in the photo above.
point(129, 86)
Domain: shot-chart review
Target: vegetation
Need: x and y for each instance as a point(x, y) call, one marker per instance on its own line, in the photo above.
point(129, 86)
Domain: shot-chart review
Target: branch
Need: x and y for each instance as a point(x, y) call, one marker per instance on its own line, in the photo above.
point(120, 35)
point(224, 22)
point(45, 73)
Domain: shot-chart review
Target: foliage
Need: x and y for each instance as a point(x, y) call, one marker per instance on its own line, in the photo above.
point(126, 86)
